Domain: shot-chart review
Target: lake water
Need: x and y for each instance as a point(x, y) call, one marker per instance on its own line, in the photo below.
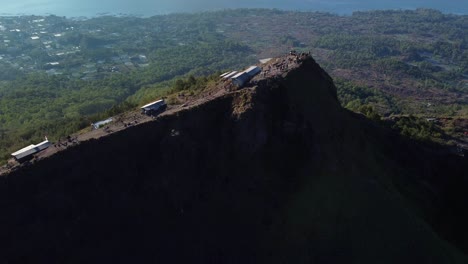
point(74, 8)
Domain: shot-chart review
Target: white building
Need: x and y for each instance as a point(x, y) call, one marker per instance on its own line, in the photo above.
point(153, 108)
point(241, 78)
point(27, 152)
point(99, 124)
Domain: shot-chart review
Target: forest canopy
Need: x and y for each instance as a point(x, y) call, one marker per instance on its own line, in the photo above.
point(76, 71)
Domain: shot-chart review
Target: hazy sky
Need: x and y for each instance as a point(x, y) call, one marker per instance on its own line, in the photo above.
point(151, 7)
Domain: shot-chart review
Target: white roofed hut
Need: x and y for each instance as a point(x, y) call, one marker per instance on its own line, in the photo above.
point(27, 153)
point(243, 77)
point(253, 70)
point(240, 79)
point(154, 108)
point(99, 124)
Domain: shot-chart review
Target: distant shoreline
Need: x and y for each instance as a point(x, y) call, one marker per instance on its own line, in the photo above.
point(341, 12)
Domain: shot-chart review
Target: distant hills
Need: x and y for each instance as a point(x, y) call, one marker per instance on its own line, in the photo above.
point(75, 8)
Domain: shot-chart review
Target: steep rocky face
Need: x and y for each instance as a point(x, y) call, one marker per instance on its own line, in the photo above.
point(278, 172)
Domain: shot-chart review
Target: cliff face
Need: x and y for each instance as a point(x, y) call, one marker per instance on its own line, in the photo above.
point(278, 172)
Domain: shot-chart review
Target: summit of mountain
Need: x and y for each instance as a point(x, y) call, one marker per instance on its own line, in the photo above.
point(277, 171)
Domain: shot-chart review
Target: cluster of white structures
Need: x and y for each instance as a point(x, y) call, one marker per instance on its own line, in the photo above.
point(238, 78)
point(28, 152)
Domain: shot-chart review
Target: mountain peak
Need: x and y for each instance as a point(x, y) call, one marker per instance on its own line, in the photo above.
point(274, 171)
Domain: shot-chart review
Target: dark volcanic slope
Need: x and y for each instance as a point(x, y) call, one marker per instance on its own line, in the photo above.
point(273, 173)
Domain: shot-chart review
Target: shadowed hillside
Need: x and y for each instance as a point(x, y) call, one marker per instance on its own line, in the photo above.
point(277, 173)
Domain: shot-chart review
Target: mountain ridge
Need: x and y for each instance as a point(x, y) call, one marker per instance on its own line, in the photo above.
point(275, 172)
